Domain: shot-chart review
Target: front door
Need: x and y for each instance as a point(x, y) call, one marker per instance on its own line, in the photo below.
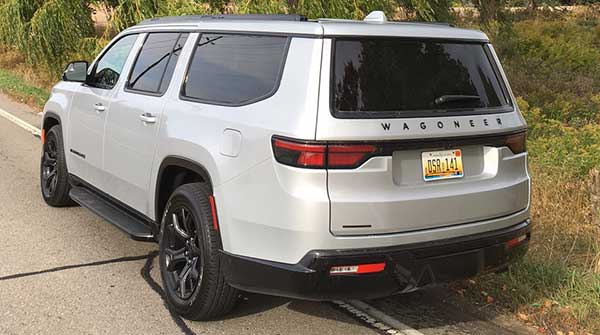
point(89, 109)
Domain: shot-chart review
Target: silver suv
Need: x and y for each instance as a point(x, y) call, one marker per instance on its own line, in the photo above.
point(323, 159)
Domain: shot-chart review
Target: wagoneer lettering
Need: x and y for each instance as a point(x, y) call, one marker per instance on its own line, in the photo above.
point(313, 159)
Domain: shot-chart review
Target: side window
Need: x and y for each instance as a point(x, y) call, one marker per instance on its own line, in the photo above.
point(235, 69)
point(107, 70)
point(156, 62)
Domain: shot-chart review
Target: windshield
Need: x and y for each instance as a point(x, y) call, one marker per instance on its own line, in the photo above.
point(394, 77)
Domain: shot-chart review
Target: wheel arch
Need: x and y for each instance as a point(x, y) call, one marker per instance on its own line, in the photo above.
point(50, 120)
point(173, 172)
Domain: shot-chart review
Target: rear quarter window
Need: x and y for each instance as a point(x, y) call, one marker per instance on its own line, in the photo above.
point(394, 77)
point(232, 69)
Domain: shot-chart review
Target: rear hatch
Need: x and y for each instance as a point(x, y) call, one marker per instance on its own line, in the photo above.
point(445, 146)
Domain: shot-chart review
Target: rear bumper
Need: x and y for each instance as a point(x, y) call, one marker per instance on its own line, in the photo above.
point(408, 267)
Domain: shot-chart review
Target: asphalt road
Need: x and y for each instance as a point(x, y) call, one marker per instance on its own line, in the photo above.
point(66, 271)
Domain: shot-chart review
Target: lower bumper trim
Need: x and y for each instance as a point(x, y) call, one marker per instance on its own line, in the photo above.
point(408, 267)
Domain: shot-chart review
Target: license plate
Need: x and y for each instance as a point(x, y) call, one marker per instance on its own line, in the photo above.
point(444, 164)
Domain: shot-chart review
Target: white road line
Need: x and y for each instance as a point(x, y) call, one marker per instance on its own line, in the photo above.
point(25, 125)
point(394, 325)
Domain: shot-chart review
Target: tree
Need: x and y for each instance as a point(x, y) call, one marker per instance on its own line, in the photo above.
point(488, 10)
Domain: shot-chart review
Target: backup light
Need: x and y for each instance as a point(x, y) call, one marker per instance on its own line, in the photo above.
point(357, 269)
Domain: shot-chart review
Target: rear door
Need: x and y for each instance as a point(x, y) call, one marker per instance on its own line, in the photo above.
point(133, 122)
point(442, 125)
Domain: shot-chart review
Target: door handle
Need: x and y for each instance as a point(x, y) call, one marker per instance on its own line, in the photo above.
point(99, 107)
point(148, 118)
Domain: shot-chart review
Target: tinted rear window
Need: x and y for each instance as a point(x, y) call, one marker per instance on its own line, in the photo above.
point(235, 69)
point(396, 77)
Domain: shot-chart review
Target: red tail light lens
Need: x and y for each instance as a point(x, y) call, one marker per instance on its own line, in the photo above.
point(317, 155)
point(299, 154)
point(517, 142)
point(348, 155)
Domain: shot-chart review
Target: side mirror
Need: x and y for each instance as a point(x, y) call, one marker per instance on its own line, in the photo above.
point(76, 71)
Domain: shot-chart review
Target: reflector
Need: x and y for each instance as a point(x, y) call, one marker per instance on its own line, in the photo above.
point(516, 241)
point(357, 269)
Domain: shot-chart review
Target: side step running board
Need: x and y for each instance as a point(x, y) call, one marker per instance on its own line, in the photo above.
point(136, 228)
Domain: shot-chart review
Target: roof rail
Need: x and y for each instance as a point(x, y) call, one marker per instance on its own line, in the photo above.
point(192, 18)
point(434, 23)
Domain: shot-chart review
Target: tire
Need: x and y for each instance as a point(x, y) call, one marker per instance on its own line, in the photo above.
point(205, 294)
point(54, 177)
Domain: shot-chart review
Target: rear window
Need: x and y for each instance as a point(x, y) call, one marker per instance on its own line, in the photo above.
point(235, 69)
point(156, 61)
point(400, 78)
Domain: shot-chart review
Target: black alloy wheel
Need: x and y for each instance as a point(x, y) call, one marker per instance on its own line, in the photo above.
point(54, 177)
point(182, 253)
point(49, 167)
point(189, 258)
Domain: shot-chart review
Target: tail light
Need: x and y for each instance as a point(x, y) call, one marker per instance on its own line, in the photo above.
point(321, 155)
point(325, 155)
point(517, 142)
point(299, 154)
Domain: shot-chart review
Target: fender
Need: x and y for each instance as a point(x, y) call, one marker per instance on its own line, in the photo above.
point(179, 162)
point(50, 115)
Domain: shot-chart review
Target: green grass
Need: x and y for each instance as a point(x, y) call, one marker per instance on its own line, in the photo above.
point(16, 87)
point(552, 294)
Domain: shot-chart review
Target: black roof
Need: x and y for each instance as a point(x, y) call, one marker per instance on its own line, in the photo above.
point(192, 18)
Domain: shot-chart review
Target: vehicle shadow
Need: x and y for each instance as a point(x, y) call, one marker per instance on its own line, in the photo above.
point(254, 304)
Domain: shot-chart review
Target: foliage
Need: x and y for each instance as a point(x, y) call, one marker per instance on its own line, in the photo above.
point(54, 28)
point(185, 7)
point(14, 24)
point(45, 31)
point(559, 148)
point(129, 12)
point(557, 65)
point(432, 10)
point(20, 89)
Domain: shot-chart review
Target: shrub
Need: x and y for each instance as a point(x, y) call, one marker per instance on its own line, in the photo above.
point(555, 65)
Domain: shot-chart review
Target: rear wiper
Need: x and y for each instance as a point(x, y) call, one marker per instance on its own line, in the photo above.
point(451, 98)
